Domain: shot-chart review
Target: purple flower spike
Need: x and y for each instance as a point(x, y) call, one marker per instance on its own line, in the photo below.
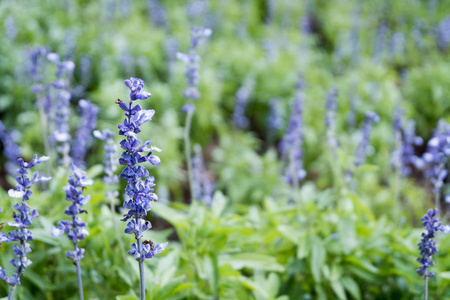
point(11, 149)
point(291, 145)
point(22, 219)
point(83, 137)
point(428, 246)
point(140, 184)
point(434, 159)
point(75, 228)
point(191, 60)
point(361, 151)
point(330, 120)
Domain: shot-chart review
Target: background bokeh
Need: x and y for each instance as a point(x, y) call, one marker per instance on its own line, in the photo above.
point(260, 238)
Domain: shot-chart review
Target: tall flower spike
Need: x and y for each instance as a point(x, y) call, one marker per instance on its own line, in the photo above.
point(191, 60)
point(140, 184)
point(75, 227)
point(361, 151)
point(203, 185)
point(11, 150)
point(60, 123)
point(427, 245)
point(191, 92)
point(330, 120)
point(436, 157)
point(291, 146)
point(22, 220)
point(243, 95)
point(83, 137)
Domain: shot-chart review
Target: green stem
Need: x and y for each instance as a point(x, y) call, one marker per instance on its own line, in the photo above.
point(425, 280)
point(141, 271)
point(80, 284)
point(187, 148)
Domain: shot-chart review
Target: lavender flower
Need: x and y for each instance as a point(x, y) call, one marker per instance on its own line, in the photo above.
point(109, 157)
point(397, 44)
point(428, 246)
point(242, 96)
point(191, 92)
point(10, 27)
point(22, 220)
point(61, 136)
point(331, 119)
point(443, 34)
point(140, 185)
point(191, 60)
point(405, 154)
point(83, 137)
point(436, 156)
point(11, 150)
point(306, 25)
point(36, 70)
point(275, 120)
point(353, 101)
point(203, 185)
point(271, 49)
point(291, 144)
point(379, 42)
point(197, 9)
point(361, 151)
point(156, 13)
point(75, 228)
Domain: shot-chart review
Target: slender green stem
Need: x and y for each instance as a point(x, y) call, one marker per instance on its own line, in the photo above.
point(44, 124)
point(295, 183)
point(437, 201)
point(11, 291)
point(187, 149)
point(141, 271)
point(425, 280)
point(80, 284)
point(397, 189)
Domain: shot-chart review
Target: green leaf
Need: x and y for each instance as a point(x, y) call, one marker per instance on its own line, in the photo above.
point(254, 286)
point(289, 233)
point(219, 203)
point(127, 297)
point(338, 289)
point(352, 287)
point(254, 261)
point(318, 255)
point(444, 275)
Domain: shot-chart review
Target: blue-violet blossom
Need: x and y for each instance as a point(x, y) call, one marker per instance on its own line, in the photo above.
point(61, 84)
point(75, 228)
point(22, 220)
point(191, 60)
point(361, 151)
point(83, 136)
point(427, 245)
point(291, 145)
point(11, 149)
point(139, 184)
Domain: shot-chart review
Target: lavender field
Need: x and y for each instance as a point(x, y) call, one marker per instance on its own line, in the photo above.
point(225, 149)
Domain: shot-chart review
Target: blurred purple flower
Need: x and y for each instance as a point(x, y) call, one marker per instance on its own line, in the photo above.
point(83, 136)
point(22, 219)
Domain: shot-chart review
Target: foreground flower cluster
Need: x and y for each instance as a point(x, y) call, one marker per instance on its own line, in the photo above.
point(140, 184)
point(22, 220)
